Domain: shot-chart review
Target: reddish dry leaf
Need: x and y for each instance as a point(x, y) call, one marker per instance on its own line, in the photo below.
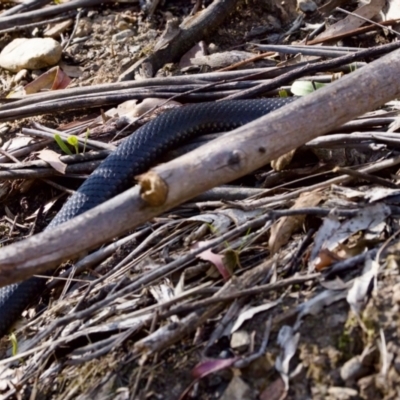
point(53, 79)
point(283, 229)
point(275, 391)
point(207, 367)
point(325, 259)
point(217, 260)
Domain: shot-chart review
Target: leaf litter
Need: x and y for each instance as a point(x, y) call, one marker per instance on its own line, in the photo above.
point(311, 335)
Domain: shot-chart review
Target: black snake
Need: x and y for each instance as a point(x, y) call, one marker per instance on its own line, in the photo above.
point(134, 156)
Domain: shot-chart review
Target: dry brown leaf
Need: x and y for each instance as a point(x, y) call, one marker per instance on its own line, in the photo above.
point(282, 162)
point(53, 159)
point(374, 7)
point(282, 230)
point(275, 391)
point(325, 259)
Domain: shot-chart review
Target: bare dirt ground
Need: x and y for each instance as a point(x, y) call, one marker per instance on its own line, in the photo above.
point(296, 306)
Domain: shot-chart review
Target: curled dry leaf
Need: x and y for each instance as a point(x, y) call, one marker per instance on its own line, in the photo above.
point(275, 391)
point(283, 229)
point(360, 292)
point(288, 341)
point(207, 367)
point(326, 258)
point(218, 261)
point(250, 312)
point(53, 79)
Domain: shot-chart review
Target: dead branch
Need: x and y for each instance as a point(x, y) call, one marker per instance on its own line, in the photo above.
point(192, 30)
point(223, 160)
point(32, 16)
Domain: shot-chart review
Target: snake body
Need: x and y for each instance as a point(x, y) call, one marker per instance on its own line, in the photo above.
point(134, 156)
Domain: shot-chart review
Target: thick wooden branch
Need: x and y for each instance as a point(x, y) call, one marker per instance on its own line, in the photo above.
point(192, 30)
point(222, 160)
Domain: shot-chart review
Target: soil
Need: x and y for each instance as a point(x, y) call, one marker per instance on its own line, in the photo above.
point(339, 355)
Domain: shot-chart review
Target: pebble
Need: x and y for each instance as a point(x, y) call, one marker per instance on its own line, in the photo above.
point(343, 393)
point(240, 340)
point(123, 35)
point(30, 54)
point(353, 369)
point(84, 28)
point(307, 6)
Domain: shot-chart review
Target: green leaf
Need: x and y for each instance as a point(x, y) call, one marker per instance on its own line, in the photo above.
point(73, 141)
point(62, 145)
point(86, 139)
point(302, 88)
point(283, 93)
point(14, 343)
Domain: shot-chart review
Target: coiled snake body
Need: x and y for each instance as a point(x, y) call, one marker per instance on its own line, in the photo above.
point(134, 156)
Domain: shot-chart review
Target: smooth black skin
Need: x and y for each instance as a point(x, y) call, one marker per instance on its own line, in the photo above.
point(133, 157)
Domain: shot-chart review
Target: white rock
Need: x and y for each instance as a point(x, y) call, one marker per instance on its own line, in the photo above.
point(123, 35)
point(31, 54)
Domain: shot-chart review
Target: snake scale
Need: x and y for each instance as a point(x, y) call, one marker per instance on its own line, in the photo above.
point(134, 156)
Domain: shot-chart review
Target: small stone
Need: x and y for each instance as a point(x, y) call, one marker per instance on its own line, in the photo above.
point(306, 6)
point(342, 393)
point(30, 54)
point(123, 35)
point(353, 369)
point(240, 340)
point(20, 76)
point(84, 28)
point(122, 25)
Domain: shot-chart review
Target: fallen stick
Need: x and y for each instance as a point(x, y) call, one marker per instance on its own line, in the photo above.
point(35, 15)
point(192, 30)
point(222, 160)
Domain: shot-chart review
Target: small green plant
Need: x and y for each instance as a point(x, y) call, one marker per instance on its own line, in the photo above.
point(72, 140)
point(62, 145)
point(283, 93)
point(86, 139)
point(14, 343)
